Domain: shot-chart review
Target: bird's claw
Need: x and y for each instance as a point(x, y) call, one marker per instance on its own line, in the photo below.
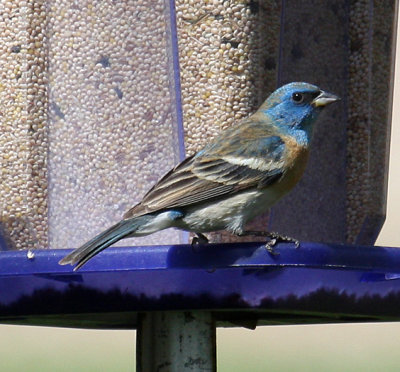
point(269, 246)
point(199, 239)
point(276, 238)
point(284, 238)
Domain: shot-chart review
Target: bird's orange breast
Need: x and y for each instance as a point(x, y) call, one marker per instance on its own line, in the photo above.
point(296, 158)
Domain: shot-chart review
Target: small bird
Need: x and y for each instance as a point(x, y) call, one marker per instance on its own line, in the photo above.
point(234, 178)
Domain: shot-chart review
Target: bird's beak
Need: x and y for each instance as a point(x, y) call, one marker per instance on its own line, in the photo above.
point(324, 99)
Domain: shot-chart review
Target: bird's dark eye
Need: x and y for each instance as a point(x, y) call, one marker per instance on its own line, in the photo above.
point(297, 97)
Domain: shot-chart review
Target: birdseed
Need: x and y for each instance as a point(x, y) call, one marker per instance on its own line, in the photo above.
point(87, 111)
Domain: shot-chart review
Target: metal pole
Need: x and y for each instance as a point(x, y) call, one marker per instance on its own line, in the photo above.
point(176, 342)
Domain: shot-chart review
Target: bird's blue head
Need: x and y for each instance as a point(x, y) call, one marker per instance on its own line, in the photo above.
point(296, 106)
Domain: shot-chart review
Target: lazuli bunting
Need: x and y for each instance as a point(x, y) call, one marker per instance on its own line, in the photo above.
point(236, 177)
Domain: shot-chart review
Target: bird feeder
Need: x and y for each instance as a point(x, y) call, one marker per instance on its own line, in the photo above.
point(99, 99)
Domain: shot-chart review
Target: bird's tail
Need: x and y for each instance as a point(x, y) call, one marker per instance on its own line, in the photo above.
point(94, 246)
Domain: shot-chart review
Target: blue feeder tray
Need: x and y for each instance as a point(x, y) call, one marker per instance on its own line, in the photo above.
point(241, 284)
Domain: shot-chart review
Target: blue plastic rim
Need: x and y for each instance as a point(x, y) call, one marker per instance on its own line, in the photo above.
point(238, 282)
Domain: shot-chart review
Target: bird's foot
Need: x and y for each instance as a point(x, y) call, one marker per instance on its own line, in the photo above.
point(274, 237)
point(199, 239)
point(277, 238)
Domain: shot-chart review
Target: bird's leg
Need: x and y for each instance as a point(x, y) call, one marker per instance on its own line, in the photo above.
point(274, 239)
point(199, 239)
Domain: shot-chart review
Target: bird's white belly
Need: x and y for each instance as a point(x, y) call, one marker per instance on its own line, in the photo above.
point(230, 214)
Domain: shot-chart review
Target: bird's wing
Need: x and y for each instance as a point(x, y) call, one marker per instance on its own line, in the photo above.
point(234, 162)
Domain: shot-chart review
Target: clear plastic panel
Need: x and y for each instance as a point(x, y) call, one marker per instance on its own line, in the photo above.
point(233, 54)
point(89, 116)
point(89, 101)
point(342, 197)
point(23, 138)
point(112, 132)
point(228, 55)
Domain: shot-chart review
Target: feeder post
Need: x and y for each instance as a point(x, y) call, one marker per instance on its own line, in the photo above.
point(176, 341)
